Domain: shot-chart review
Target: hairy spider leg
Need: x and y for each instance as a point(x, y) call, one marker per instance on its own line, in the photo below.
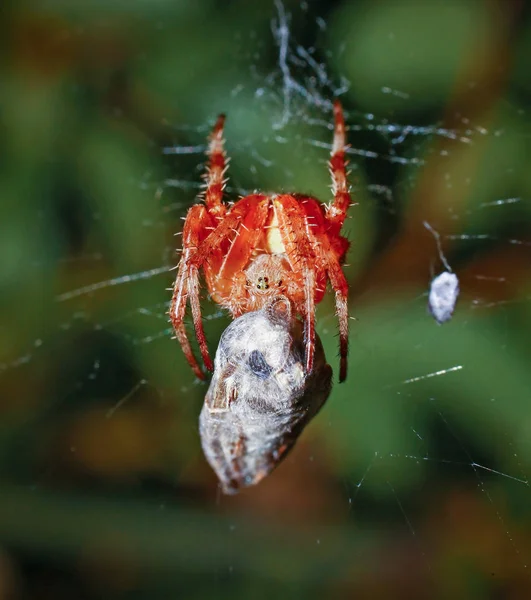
point(197, 222)
point(340, 286)
point(224, 229)
point(217, 166)
point(309, 295)
point(187, 285)
point(198, 250)
point(337, 211)
point(294, 230)
point(330, 250)
point(335, 215)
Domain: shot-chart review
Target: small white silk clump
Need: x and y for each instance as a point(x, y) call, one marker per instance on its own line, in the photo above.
point(443, 295)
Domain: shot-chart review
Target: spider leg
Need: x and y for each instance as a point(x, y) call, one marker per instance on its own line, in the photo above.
point(329, 262)
point(294, 232)
point(309, 295)
point(340, 286)
point(217, 165)
point(187, 285)
point(197, 250)
point(337, 211)
point(226, 227)
point(329, 251)
point(196, 317)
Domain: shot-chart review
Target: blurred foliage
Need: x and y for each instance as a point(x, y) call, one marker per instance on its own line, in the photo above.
point(405, 486)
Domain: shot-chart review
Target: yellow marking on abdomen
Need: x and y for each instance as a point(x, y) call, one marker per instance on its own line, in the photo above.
point(274, 243)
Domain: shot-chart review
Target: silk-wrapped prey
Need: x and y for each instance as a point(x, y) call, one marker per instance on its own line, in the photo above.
point(260, 398)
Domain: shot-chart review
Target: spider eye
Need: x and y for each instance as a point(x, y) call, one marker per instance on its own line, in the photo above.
point(258, 365)
point(279, 282)
point(263, 283)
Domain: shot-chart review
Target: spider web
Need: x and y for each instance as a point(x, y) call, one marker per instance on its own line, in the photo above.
point(415, 473)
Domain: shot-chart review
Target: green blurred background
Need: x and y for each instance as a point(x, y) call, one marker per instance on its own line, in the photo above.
point(413, 480)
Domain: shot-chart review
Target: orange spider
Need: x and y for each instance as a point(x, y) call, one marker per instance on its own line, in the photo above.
point(264, 245)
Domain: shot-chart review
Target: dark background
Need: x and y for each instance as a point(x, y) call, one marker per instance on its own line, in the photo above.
point(412, 481)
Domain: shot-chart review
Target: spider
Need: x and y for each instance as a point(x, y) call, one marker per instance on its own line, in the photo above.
point(261, 246)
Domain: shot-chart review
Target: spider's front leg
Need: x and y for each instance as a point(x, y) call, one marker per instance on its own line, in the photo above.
point(329, 262)
point(202, 240)
point(340, 286)
point(187, 286)
point(217, 165)
point(335, 215)
point(337, 211)
point(200, 221)
point(293, 227)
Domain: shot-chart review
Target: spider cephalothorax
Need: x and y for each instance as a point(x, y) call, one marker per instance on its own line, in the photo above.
point(262, 246)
